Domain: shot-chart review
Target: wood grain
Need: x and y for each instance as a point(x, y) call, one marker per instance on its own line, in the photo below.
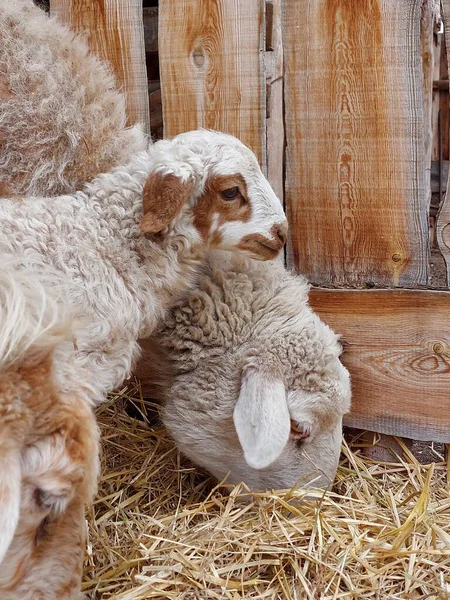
point(211, 70)
point(397, 348)
point(115, 33)
point(355, 191)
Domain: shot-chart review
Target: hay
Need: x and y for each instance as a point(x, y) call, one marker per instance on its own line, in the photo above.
point(160, 529)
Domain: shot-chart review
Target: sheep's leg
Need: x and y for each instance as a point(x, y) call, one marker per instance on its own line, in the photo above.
point(64, 464)
point(59, 477)
point(45, 562)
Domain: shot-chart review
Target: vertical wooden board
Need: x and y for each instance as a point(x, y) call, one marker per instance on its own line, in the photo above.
point(443, 223)
point(211, 70)
point(427, 24)
point(355, 143)
point(273, 62)
point(397, 349)
point(115, 33)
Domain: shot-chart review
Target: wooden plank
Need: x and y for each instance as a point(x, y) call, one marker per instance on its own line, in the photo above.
point(355, 175)
point(211, 69)
point(397, 348)
point(156, 119)
point(439, 44)
point(435, 175)
point(275, 138)
point(443, 221)
point(115, 33)
point(427, 38)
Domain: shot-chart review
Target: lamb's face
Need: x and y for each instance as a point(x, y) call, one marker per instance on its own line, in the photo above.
point(262, 434)
point(215, 446)
point(213, 191)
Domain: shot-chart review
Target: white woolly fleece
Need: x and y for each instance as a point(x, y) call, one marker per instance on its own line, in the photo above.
point(62, 120)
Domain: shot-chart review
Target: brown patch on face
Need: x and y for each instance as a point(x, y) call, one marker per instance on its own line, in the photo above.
point(163, 198)
point(265, 248)
point(211, 203)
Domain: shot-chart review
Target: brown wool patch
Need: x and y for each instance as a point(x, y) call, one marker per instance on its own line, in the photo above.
point(211, 203)
point(163, 198)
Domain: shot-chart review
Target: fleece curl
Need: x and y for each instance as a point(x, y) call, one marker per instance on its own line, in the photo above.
point(62, 121)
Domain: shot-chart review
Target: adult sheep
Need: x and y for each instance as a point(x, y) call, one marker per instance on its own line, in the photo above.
point(48, 441)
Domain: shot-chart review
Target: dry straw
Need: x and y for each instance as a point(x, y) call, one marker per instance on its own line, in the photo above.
point(160, 529)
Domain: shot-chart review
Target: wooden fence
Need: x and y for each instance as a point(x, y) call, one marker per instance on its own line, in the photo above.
point(336, 98)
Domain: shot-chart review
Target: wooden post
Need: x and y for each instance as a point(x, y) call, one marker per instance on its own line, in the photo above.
point(115, 33)
point(443, 223)
point(210, 54)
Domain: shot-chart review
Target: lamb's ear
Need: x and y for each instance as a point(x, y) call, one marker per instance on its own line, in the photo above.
point(261, 418)
point(163, 199)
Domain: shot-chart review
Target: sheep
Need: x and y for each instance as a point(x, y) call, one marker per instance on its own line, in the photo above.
point(250, 377)
point(131, 242)
point(62, 120)
point(49, 439)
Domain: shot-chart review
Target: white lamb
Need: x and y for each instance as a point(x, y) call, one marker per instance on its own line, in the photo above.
point(130, 244)
point(255, 385)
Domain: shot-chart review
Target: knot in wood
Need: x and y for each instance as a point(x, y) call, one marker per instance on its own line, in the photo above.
point(396, 257)
point(438, 348)
point(198, 55)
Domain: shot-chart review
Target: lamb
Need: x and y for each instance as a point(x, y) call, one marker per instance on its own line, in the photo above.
point(130, 243)
point(48, 438)
point(255, 385)
point(62, 120)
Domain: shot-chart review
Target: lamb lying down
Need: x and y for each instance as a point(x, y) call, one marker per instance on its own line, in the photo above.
point(256, 387)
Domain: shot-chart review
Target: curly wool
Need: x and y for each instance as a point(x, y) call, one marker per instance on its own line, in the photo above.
point(62, 120)
point(116, 278)
point(247, 316)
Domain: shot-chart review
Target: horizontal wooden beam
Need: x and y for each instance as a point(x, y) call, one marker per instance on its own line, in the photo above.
point(397, 349)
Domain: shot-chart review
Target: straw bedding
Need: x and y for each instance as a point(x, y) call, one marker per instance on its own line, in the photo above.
point(161, 529)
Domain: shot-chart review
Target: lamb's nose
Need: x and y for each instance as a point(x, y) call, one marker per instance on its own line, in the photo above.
point(280, 231)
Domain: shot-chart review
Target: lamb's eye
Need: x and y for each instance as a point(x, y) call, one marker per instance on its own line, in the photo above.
point(230, 193)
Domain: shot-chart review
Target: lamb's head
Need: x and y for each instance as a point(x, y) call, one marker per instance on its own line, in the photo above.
point(208, 187)
point(265, 433)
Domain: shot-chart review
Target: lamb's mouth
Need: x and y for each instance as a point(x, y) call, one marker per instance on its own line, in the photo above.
point(260, 247)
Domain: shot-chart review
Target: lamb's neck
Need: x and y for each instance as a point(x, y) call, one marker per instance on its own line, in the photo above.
point(157, 271)
point(166, 270)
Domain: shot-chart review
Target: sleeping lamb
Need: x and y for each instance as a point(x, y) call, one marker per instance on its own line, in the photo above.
point(251, 379)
